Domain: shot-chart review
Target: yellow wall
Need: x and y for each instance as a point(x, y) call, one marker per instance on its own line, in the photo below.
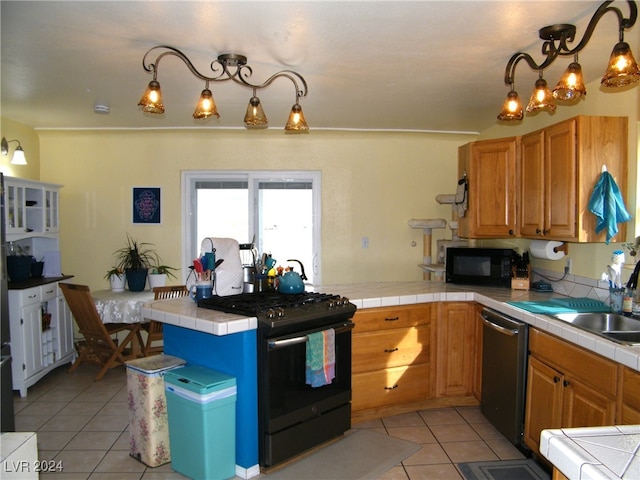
point(372, 184)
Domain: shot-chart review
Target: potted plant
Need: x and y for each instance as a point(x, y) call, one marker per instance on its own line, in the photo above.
point(158, 275)
point(135, 259)
point(117, 279)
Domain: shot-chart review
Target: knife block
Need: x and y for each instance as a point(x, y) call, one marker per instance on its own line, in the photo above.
point(521, 283)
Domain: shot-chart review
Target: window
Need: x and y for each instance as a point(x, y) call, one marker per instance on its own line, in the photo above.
point(280, 211)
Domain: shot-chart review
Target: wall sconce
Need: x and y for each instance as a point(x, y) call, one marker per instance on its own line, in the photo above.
point(228, 66)
point(622, 68)
point(18, 154)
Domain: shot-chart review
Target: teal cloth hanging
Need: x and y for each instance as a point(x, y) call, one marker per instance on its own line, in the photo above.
point(607, 204)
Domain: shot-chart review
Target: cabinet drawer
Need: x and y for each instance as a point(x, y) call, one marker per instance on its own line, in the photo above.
point(590, 368)
point(391, 317)
point(390, 348)
point(30, 296)
point(391, 386)
point(49, 291)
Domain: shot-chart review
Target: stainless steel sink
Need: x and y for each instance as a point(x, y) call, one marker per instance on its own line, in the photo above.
point(613, 326)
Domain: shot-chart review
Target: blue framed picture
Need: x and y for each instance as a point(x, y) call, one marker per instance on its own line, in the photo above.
point(146, 205)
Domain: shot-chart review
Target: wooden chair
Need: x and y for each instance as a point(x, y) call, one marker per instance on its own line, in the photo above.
point(153, 328)
point(99, 346)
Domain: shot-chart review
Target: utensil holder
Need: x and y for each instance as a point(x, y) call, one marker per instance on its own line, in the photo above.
point(616, 297)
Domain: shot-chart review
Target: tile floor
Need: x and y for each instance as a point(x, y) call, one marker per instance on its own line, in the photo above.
point(84, 424)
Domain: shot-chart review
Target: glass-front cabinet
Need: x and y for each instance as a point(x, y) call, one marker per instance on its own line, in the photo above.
point(31, 216)
point(50, 209)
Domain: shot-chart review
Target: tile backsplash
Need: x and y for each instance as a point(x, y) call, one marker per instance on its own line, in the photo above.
point(574, 285)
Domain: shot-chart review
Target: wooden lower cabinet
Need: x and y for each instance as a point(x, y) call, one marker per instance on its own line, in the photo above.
point(567, 386)
point(629, 397)
point(391, 357)
point(456, 349)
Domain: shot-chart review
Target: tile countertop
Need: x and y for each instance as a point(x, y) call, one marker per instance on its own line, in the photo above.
point(184, 312)
point(594, 452)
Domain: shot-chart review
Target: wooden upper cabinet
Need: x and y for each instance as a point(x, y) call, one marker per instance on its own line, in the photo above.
point(556, 169)
point(548, 183)
point(601, 141)
point(490, 167)
point(532, 185)
point(559, 166)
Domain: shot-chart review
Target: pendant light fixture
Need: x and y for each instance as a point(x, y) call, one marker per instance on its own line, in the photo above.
point(571, 85)
point(229, 66)
point(512, 107)
point(18, 154)
point(255, 116)
point(541, 97)
point(622, 68)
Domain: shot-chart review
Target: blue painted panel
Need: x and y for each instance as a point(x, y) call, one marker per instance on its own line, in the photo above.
point(235, 355)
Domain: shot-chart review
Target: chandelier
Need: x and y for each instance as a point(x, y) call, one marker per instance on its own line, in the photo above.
point(228, 66)
point(621, 71)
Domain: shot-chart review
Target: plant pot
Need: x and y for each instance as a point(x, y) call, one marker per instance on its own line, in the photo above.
point(117, 282)
point(36, 269)
point(157, 280)
point(19, 267)
point(137, 279)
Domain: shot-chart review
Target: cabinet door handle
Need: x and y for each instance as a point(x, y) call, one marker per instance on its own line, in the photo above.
point(391, 388)
point(510, 232)
point(566, 383)
point(538, 231)
point(390, 350)
point(556, 379)
point(392, 319)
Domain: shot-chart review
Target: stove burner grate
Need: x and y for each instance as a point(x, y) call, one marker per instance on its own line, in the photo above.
point(277, 312)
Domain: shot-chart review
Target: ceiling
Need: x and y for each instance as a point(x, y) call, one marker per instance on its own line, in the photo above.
point(374, 65)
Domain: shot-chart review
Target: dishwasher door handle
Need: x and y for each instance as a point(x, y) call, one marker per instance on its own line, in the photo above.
point(500, 328)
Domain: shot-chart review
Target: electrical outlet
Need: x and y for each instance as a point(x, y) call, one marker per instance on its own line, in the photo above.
point(365, 242)
point(567, 266)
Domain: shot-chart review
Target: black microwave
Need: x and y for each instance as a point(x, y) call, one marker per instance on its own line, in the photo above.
point(479, 266)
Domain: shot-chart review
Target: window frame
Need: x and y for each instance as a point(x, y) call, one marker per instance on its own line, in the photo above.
point(253, 177)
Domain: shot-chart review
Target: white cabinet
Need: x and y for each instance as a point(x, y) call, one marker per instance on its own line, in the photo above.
point(39, 342)
point(32, 214)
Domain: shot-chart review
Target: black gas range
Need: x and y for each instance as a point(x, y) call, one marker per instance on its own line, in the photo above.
point(280, 313)
point(293, 416)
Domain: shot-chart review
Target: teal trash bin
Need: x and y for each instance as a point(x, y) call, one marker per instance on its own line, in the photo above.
point(201, 407)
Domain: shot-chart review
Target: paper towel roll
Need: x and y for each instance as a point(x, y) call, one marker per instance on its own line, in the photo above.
point(545, 249)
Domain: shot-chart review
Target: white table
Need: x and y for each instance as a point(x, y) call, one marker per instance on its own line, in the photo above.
point(121, 307)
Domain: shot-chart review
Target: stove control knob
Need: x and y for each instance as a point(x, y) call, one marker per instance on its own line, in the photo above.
point(271, 314)
point(345, 301)
point(331, 303)
point(280, 312)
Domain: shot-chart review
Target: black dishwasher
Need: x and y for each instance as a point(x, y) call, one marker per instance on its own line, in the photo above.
point(504, 374)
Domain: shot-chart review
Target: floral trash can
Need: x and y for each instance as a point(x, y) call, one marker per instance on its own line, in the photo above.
point(148, 423)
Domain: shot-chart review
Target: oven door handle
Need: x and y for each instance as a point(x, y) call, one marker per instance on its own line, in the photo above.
point(287, 342)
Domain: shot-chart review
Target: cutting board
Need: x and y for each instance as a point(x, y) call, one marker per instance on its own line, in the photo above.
point(563, 305)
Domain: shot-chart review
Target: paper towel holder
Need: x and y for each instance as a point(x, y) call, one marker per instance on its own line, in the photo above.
point(562, 248)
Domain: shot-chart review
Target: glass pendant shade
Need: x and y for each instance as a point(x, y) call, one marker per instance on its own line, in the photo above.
point(571, 85)
point(206, 106)
point(255, 116)
point(18, 157)
point(151, 101)
point(296, 122)
point(512, 108)
point(541, 97)
point(623, 69)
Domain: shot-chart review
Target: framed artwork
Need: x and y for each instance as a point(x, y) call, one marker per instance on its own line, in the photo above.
point(146, 205)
